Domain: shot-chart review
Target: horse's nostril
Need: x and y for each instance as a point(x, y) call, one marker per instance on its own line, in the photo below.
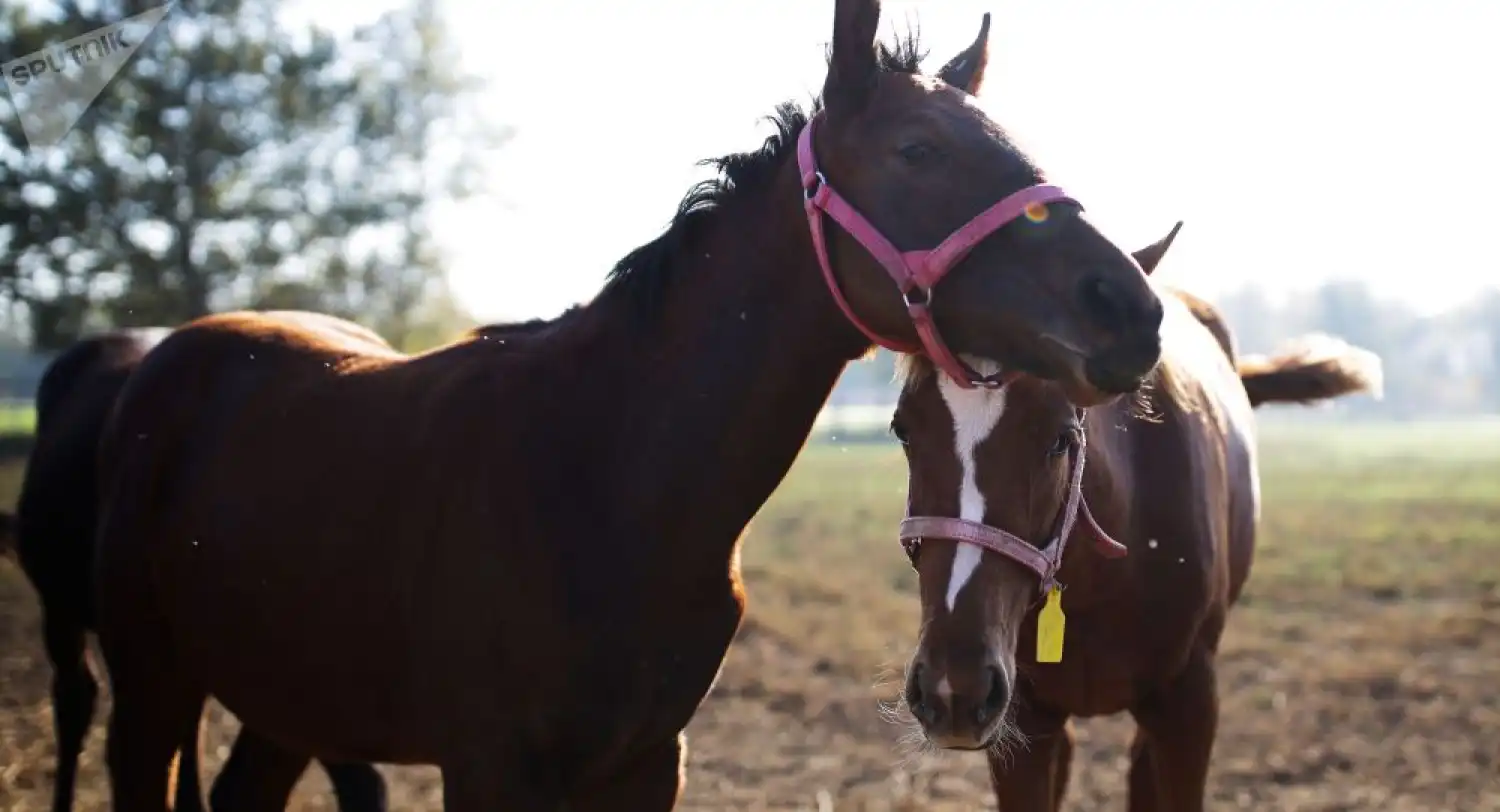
point(919, 700)
point(995, 699)
point(1105, 302)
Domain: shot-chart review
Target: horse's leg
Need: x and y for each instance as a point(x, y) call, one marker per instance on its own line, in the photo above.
point(74, 695)
point(1180, 721)
point(1026, 778)
point(258, 775)
point(651, 784)
point(1062, 766)
point(1142, 774)
point(189, 781)
point(359, 786)
point(152, 713)
point(156, 705)
point(261, 775)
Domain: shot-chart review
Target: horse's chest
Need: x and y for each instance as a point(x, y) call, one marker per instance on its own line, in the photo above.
point(652, 684)
point(1115, 650)
point(1098, 673)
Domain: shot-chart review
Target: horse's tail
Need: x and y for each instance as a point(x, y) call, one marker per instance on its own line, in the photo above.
point(7, 533)
point(1311, 368)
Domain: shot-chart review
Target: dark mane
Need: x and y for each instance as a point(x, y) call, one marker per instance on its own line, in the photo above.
point(508, 329)
point(644, 273)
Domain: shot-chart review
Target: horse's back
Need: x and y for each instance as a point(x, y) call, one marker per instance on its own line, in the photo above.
point(222, 377)
point(207, 370)
point(211, 368)
point(1224, 387)
point(1211, 318)
point(1203, 478)
point(286, 335)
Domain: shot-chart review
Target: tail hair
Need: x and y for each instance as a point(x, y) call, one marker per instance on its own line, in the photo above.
point(1311, 368)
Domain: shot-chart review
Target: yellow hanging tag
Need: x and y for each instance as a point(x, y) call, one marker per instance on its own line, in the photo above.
point(1049, 628)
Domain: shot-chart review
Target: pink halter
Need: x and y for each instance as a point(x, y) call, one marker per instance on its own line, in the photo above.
point(1045, 560)
point(915, 272)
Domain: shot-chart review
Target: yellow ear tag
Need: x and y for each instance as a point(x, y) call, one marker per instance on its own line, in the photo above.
point(1049, 628)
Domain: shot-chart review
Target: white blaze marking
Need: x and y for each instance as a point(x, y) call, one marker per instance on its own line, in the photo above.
point(975, 414)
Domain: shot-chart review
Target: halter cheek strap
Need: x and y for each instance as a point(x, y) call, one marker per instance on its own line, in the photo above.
point(914, 272)
point(1044, 560)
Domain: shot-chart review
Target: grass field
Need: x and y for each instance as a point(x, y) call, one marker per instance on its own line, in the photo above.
point(17, 418)
point(1361, 671)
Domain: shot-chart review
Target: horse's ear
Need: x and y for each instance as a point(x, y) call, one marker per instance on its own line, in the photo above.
point(1150, 256)
point(966, 71)
point(852, 67)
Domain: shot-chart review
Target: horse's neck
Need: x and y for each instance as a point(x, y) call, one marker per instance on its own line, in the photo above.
point(726, 383)
point(1107, 477)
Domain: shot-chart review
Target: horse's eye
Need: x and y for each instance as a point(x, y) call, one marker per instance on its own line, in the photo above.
point(898, 431)
point(915, 153)
point(1064, 442)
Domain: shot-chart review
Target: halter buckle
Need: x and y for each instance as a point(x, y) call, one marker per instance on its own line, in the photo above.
point(812, 183)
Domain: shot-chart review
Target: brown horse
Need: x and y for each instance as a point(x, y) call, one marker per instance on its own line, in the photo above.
point(55, 525)
point(518, 559)
point(7, 533)
point(1179, 489)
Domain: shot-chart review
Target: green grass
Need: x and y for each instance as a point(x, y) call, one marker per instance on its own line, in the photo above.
point(1399, 510)
point(17, 418)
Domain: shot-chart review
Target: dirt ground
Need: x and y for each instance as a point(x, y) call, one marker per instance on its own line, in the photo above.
point(786, 729)
point(1373, 686)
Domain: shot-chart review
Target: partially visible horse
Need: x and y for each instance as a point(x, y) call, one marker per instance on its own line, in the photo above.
point(7, 533)
point(994, 493)
point(518, 560)
point(55, 524)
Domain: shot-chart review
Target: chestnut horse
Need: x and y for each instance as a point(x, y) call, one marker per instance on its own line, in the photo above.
point(518, 560)
point(55, 524)
point(998, 472)
point(58, 507)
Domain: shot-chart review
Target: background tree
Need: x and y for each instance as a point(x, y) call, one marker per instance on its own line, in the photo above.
point(237, 162)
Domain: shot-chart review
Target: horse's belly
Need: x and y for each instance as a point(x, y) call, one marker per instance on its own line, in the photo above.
point(325, 674)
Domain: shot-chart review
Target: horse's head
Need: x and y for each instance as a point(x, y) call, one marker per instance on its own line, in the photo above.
point(995, 482)
point(1023, 279)
point(997, 458)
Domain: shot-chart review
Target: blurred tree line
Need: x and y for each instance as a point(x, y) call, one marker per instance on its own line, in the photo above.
point(1442, 364)
point(240, 161)
point(1447, 364)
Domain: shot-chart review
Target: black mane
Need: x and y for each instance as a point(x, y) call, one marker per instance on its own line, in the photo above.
point(643, 274)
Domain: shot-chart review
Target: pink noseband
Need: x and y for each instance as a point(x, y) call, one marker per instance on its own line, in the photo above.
point(915, 272)
point(1044, 560)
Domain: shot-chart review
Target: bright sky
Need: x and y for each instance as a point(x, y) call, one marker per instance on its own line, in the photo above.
point(1300, 140)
